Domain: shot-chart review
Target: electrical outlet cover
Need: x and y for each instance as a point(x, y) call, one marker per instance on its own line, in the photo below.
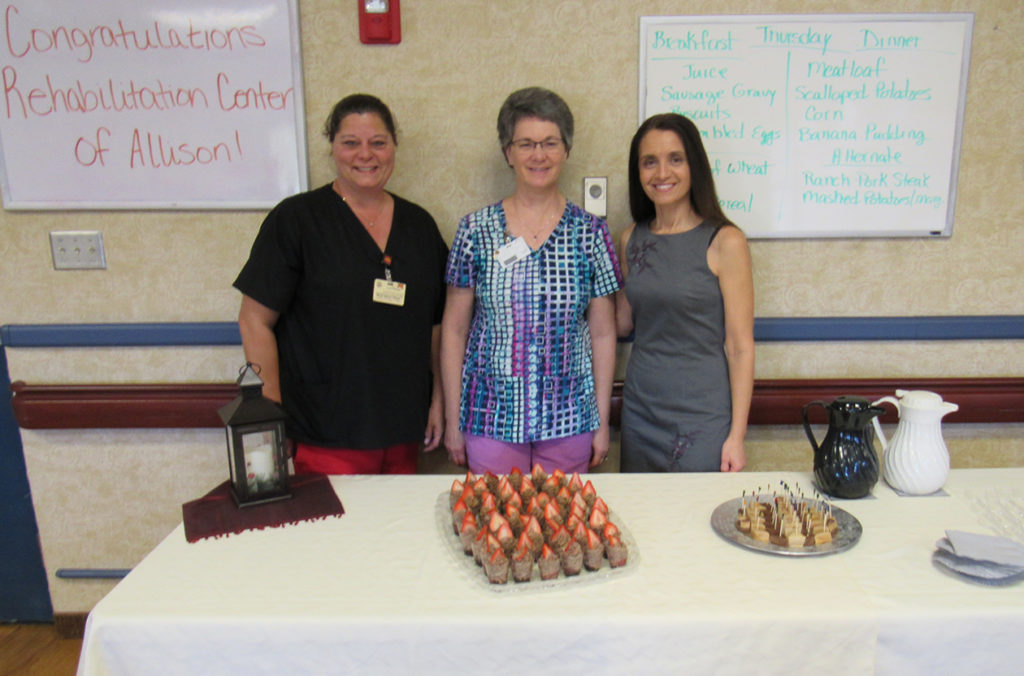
point(77, 250)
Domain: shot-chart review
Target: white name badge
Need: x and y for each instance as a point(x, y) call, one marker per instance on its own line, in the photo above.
point(513, 252)
point(386, 291)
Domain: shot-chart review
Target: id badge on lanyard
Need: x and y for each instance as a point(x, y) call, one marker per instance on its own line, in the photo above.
point(387, 290)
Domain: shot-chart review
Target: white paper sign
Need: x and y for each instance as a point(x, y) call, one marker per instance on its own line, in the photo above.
point(823, 125)
point(151, 104)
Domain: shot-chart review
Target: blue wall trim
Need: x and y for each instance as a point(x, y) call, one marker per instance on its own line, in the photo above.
point(120, 335)
point(1004, 327)
point(766, 329)
point(92, 573)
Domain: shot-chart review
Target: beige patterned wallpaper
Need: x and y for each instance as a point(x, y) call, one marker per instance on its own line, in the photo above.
point(457, 61)
point(445, 81)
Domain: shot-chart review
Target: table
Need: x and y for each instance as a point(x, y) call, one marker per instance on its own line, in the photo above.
point(375, 592)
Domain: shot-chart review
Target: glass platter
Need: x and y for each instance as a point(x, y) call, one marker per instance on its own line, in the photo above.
point(469, 569)
point(723, 521)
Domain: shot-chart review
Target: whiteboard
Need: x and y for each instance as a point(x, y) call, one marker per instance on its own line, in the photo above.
point(819, 125)
point(151, 104)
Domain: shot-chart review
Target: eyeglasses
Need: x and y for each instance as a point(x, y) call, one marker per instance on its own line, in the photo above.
point(549, 146)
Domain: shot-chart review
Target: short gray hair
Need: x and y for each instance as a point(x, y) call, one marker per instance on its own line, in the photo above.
point(537, 102)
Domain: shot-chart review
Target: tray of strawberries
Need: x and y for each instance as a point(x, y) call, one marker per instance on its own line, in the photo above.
point(519, 532)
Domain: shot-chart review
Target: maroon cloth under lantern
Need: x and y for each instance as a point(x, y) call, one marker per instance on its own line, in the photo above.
point(216, 513)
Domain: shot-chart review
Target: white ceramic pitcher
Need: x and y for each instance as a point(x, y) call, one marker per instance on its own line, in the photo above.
point(916, 460)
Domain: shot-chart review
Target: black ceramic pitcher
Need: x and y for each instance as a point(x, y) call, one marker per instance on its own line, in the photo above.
point(845, 463)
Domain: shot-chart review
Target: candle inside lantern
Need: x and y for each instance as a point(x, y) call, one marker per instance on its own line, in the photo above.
point(259, 460)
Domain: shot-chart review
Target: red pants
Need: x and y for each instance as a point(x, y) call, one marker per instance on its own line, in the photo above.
point(397, 459)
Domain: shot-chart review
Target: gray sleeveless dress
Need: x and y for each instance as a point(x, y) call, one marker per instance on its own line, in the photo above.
point(676, 408)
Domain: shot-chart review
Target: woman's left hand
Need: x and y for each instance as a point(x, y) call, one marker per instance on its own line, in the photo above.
point(734, 456)
point(435, 426)
point(599, 446)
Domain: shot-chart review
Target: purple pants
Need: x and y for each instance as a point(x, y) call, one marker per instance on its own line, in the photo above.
point(569, 454)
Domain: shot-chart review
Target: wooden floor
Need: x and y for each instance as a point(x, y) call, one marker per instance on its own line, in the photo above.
point(30, 649)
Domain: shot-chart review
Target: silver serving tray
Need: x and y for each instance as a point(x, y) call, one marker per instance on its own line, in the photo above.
point(723, 521)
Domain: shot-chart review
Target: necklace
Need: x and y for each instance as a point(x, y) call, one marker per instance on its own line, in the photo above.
point(675, 226)
point(372, 221)
point(545, 220)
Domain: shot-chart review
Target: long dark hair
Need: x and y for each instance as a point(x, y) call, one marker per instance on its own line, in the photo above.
point(703, 197)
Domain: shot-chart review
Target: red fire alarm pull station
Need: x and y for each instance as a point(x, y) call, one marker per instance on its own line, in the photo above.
point(380, 22)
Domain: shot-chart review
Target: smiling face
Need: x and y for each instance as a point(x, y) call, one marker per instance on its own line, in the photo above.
point(664, 170)
point(538, 163)
point(364, 152)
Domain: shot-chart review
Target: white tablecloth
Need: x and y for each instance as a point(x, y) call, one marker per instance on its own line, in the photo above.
point(376, 592)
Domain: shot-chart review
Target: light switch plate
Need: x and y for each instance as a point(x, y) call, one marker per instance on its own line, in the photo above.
point(77, 250)
point(595, 195)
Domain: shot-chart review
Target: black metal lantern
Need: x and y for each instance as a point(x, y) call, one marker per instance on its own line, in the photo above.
point(257, 452)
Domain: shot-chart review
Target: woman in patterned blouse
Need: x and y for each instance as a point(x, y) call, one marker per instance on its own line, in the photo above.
point(528, 336)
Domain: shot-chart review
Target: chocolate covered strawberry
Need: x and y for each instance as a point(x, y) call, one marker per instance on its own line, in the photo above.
point(506, 538)
point(479, 546)
point(579, 533)
point(516, 501)
point(559, 538)
point(589, 493)
point(553, 514)
point(572, 522)
point(593, 551)
point(526, 488)
point(496, 566)
point(572, 558)
point(514, 518)
point(504, 490)
point(467, 532)
point(495, 521)
point(459, 511)
point(543, 499)
point(470, 497)
point(532, 529)
point(488, 503)
point(579, 503)
point(522, 559)
point(550, 486)
point(579, 511)
point(534, 508)
point(616, 551)
point(515, 477)
point(479, 486)
point(549, 563)
point(455, 492)
point(563, 497)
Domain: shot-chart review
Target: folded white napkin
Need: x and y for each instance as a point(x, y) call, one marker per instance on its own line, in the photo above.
point(994, 548)
point(988, 559)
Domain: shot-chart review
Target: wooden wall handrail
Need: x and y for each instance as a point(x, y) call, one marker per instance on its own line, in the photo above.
point(194, 405)
point(191, 405)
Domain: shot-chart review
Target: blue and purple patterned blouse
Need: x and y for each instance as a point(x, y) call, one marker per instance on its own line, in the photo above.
point(528, 374)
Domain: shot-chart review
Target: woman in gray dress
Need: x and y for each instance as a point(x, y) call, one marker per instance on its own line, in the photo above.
point(689, 300)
